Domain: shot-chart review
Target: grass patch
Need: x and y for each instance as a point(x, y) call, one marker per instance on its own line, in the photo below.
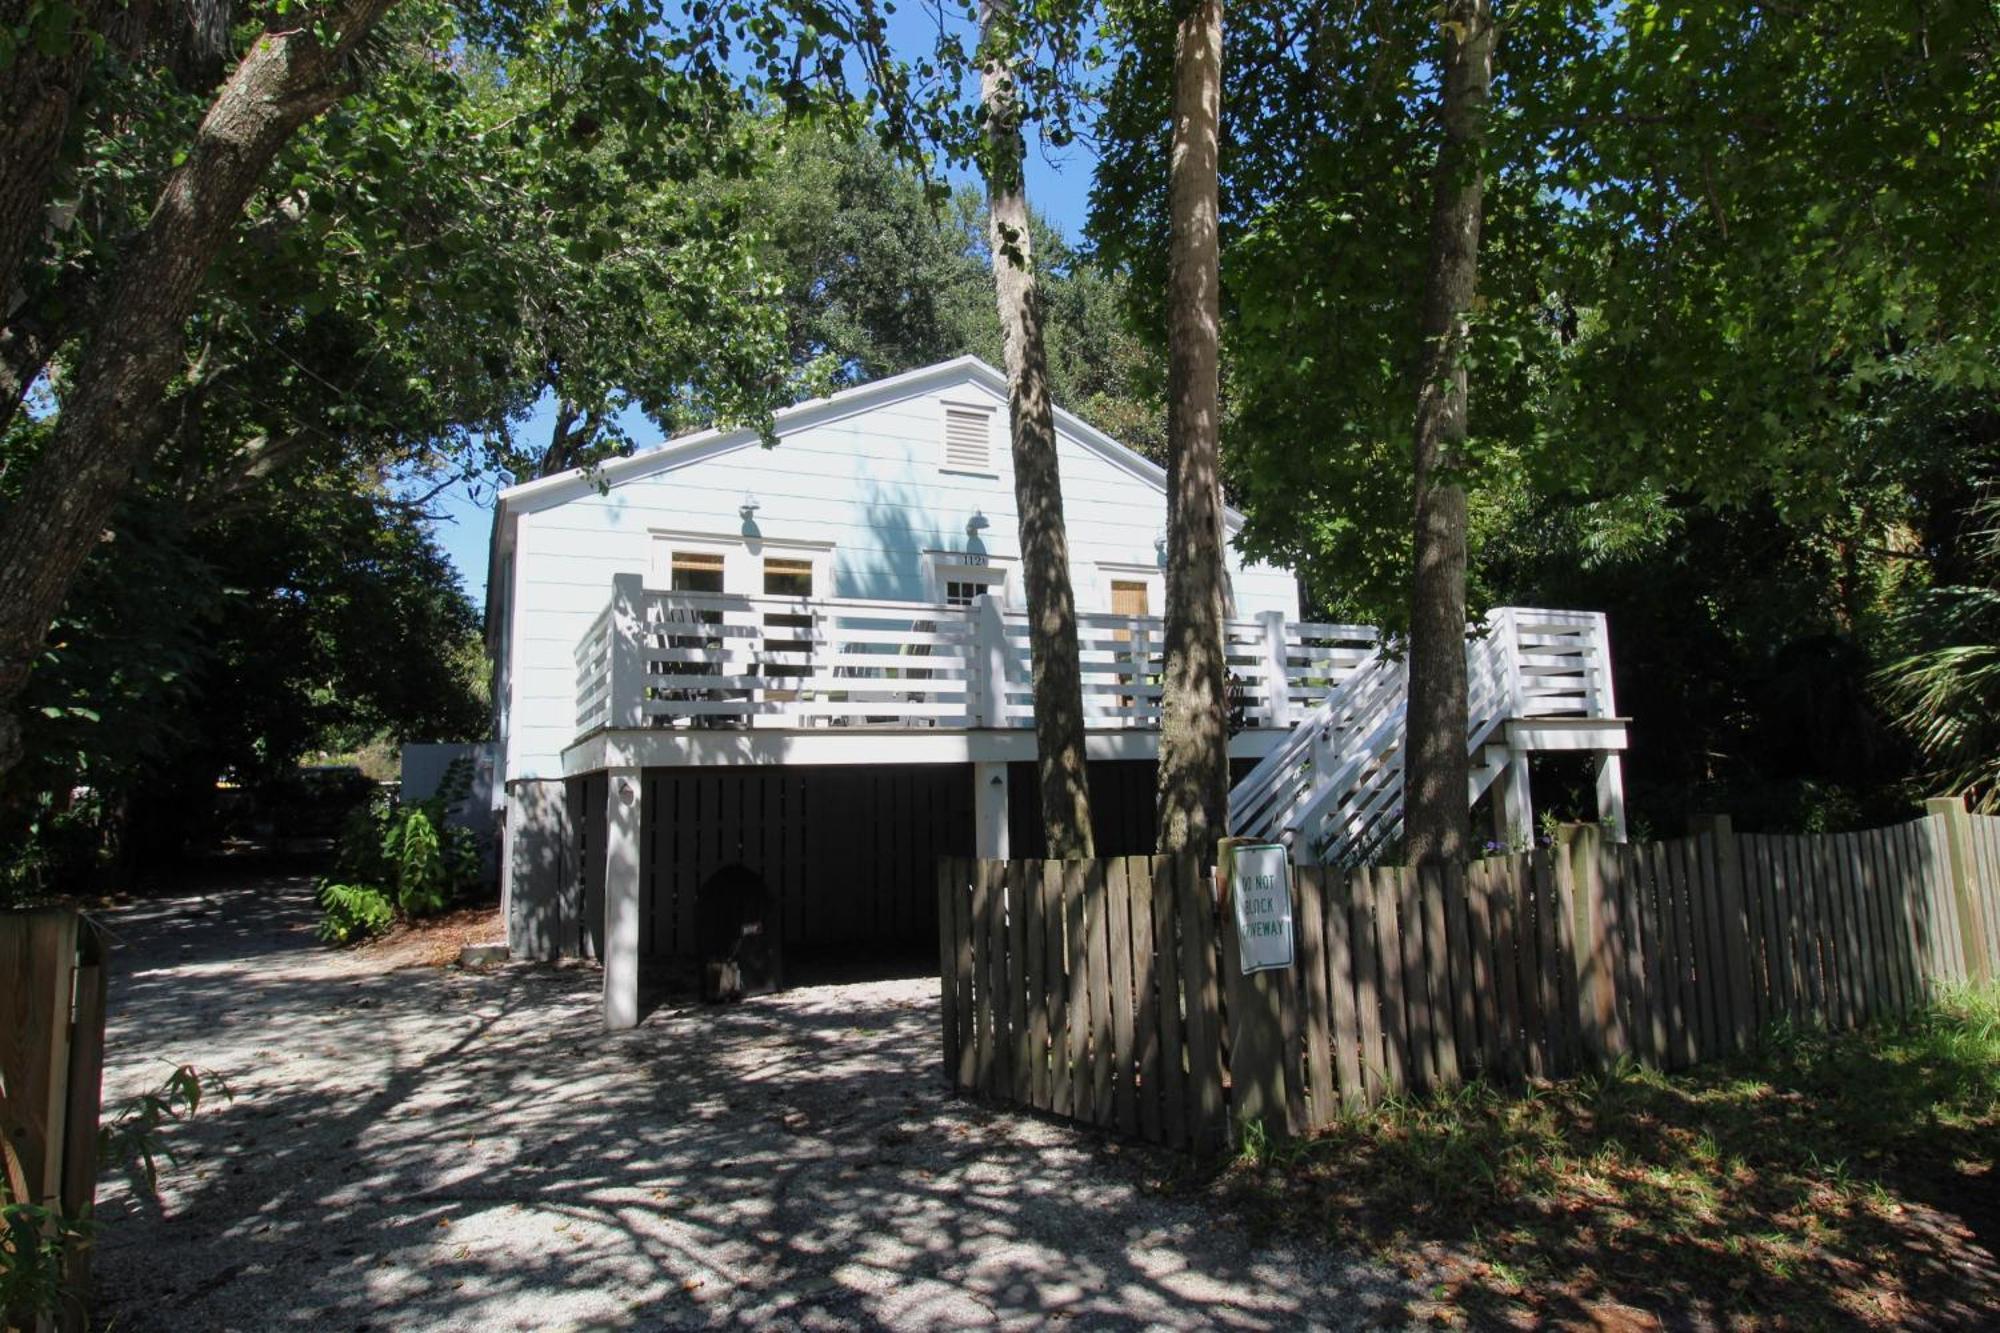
point(1816, 1182)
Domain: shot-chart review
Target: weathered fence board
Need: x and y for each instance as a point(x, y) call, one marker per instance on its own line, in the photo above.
point(1093, 990)
point(52, 1007)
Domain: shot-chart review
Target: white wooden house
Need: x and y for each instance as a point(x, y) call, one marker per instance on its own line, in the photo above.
point(810, 663)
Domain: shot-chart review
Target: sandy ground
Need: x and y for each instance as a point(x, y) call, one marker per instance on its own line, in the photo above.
point(430, 1148)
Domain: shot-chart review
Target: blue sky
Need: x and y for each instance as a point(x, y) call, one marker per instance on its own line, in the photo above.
point(1058, 186)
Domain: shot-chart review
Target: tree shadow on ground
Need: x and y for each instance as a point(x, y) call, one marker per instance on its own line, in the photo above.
point(1819, 1183)
point(436, 1147)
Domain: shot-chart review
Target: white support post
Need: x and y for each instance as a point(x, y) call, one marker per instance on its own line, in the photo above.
point(1611, 795)
point(621, 898)
point(1513, 805)
point(988, 695)
point(1277, 685)
point(989, 811)
point(627, 705)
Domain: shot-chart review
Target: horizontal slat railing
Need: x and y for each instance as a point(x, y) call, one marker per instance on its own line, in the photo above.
point(669, 659)
point(722, 659)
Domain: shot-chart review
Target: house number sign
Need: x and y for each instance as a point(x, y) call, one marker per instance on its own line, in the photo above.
point(1260, 890)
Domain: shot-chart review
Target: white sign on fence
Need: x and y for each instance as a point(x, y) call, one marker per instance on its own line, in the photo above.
point(1260, 889)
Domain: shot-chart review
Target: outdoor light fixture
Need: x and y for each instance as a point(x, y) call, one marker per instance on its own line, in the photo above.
point(748, 509)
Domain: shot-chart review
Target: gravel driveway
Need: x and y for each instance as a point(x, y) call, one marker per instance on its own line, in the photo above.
point(437, 1149)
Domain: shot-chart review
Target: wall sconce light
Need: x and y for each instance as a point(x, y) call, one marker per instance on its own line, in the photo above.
point(625, 791)
point(748, 509)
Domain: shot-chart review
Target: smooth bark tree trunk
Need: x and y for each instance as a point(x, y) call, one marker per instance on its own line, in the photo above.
point(1194, 705)
point(1436, 809)
point(1059, 739)
point(135, 344)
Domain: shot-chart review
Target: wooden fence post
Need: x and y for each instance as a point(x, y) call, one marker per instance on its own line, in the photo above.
point(1965, 888)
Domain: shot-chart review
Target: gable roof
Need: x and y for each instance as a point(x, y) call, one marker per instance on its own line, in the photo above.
point(546, 492)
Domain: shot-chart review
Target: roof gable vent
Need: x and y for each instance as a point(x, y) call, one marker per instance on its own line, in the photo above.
point(968, 438)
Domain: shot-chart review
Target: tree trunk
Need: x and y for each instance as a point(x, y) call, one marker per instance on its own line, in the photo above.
point(1194, 705)
point(135, 344)
point(38, 94)
point(1437, 813)
point(1059, 740)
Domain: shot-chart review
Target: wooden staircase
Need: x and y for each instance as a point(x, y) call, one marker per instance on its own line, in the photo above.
point(1333, 791)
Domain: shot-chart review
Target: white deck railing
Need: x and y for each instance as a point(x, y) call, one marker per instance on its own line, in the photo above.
point(725, 660)
point(655, 659)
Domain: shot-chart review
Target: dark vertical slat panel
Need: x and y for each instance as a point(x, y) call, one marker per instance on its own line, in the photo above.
point(1517, 1045)
point(980, 929)
point(1680, 875)
point(1700, 973)
point(1458, 974)
point(948, 958)
point(1061, 983)
point(1853, 959)
point(1173, 1039)
point(1421, 1032)
point(1432, 887)
point(1200, 977)
point(1036, 942)
point(1485, 989)
point(1659, 1025)
point(1145, 996)
point(1396, 1064)
point(1309, 911)
point(1910, 892)
point(1082, 987)
point(1104, 1050)
point(1713, 942)
point(1337, 896)
point(1368, 985)
point(1020, 1063)
point(1637, 1010)
point(1805, 879)
point(1735, 921)
point(1875, 884)
point(1548, 990)
point(1125, 1029)
point(999, 971)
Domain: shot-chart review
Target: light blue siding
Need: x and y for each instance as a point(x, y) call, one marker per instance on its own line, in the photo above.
point(868, 483)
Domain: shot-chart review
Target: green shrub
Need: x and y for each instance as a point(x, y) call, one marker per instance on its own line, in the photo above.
point(408, 861)
point(352, 912)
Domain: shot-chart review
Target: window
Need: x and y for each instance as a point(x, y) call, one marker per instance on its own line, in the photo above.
point(788, 577)
point(968, 438)
point(961, 585)
point(696, 571)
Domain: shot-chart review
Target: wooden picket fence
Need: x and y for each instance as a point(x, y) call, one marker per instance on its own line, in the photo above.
point(1086, 989)
point(1111, 996)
